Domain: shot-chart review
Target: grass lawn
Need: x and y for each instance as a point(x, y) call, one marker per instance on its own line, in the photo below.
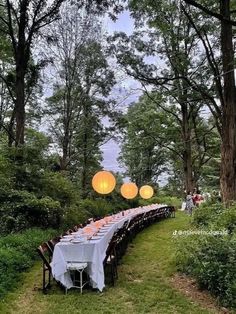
point(143, 285)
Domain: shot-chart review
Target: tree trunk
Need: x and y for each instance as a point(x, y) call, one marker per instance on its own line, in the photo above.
point(64, 158)
point(187, 151)
point(187, 163)
point(228, 147)
point(22, 56)
point(11, 128)
point(84, 178)
point(20, 106)
point(66, 138)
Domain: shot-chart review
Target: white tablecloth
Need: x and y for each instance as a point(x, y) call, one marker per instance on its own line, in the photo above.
point(92, 251)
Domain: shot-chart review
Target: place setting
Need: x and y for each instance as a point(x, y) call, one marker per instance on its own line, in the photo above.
point(96, 238)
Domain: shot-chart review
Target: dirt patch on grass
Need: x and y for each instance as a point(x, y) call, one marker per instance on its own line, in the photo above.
point(189, 288)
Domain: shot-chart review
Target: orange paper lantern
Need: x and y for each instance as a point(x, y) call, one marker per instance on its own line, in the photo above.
point(103, 182)
point(129, 190)
point(146, 192)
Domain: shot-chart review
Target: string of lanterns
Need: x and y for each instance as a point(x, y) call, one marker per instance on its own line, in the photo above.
point(104, 182)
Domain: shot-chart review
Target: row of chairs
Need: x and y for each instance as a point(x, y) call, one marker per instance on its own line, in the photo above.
point(123, 236)
point(115, 250)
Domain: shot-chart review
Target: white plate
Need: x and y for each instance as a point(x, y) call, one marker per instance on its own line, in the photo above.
point(76, 241)
point(96, 237)
point(65, 240)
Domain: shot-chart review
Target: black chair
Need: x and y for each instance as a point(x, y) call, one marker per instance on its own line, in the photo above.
point(110, 261)
point(51, 243)
point(121, 238)
point(173, 210)
point(45, 254)
point(77, 227)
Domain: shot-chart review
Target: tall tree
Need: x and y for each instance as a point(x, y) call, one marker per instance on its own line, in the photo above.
point(152, 143)
point(226, 112)
point(141, 155)
point(161, 54)
point(6, 67)
point(84, 80)
point(24, 20)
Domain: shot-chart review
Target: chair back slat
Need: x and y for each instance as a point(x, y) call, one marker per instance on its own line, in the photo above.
point(53, 242)
point(44, 253)
point(110, 249)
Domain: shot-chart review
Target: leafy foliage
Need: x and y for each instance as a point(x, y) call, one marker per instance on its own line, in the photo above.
point(212, 259)
point(22, 210)
point(162, 199)
point(144, 122)
point(17, 254)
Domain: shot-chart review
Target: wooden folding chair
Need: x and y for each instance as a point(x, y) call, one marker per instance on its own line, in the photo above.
point(111, 260)
point(51, 243)
point(45, 254)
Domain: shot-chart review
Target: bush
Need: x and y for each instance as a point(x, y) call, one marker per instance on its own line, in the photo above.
point(206, 213)
point(21, 210)
point(17, 253)
point(226, 220)
point(59, 188)
point(74, 215)
point(212, 259)
point(162, 199)
point(81, 210)
point(96, 208)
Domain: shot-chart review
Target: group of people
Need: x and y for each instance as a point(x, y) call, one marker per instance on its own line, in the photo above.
point(192, 200)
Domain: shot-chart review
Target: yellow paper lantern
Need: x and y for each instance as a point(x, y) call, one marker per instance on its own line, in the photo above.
point(103, 182)
point(129, 190)
point(146, 192)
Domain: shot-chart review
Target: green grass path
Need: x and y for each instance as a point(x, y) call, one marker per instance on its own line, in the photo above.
point(143, 285)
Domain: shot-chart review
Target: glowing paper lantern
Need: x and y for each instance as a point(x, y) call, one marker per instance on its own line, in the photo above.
point(129, 190)
point(146, 192)
point(103, 182)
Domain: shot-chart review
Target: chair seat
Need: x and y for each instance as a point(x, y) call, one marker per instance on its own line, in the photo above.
point(76, 265)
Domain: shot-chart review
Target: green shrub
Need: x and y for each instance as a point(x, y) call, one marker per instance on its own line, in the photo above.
point(21, 210)
point(96, 208)
point(58, 187)
point(81, 210)
point(226, 220)
point(17, 253)
point(74, 215)
point(206, 213)
point(168, 200)
point(212, 259)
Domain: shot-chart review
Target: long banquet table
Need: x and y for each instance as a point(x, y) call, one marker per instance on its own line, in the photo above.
point(91, 251)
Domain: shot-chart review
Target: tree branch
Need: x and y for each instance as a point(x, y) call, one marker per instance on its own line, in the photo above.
point(10, 28)
point(8, 87)
point(162, 107)
point(209, 12)
point(209, 55)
